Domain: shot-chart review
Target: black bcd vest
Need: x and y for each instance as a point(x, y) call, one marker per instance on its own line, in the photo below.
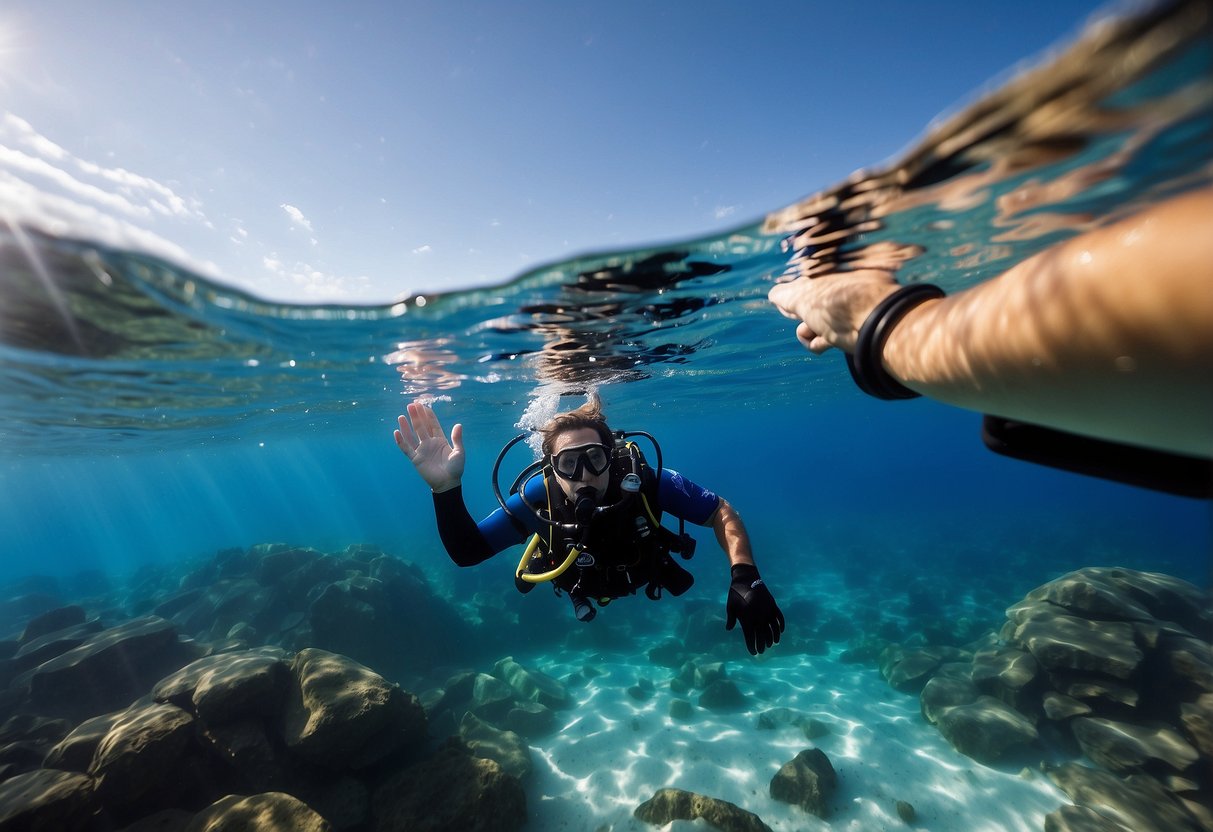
point(624, 549)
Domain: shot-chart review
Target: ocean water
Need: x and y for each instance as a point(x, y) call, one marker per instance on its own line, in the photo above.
point(152, 418)
point(151, 415)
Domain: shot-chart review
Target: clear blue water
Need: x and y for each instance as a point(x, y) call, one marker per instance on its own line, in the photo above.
point(153, 416)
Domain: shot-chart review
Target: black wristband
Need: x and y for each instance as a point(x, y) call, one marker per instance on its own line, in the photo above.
point(866, 365)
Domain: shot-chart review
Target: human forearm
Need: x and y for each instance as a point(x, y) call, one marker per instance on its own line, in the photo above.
point(731, 534)
point(749, 600)
point(1109, 334)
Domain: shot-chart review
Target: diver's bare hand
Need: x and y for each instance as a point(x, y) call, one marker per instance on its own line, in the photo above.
point(421, 439)
point(832, 307)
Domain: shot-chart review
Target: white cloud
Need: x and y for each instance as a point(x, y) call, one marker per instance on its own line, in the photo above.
point(44, 185)
point(723, 211)
point(67, 215)
point(315, 284)
point(114, 188)
point(297, 216)
point(423, 250)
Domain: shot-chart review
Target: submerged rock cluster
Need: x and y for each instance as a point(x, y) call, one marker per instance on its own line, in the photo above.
point(241, 695)
point(108, 724)
point(313, 737)
point(1114, 663)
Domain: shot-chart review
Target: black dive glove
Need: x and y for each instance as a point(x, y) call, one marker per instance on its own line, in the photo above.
point(751, 603)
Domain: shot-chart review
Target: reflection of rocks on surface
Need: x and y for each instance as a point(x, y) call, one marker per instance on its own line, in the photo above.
point(1112, 662)
point(104, 725)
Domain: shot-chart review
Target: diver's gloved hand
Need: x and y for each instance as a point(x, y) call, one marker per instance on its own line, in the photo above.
point(751, 603)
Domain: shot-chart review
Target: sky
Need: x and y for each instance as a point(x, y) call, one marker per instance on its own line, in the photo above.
point(360, 152)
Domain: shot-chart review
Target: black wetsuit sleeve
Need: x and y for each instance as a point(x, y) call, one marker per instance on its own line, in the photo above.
point(460, 535)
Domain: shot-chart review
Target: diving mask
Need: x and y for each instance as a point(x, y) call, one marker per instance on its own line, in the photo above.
point(570, 462)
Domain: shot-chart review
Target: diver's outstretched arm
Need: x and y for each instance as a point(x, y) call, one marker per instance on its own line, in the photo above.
point(731, 533)
point(440, 463)
point(749, 601)
point(1108, 334)
point(421, 438)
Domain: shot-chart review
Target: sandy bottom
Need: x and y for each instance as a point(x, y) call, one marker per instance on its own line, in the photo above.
point(615, 751)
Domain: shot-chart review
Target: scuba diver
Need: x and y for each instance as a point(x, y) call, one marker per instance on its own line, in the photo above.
point(592, 507)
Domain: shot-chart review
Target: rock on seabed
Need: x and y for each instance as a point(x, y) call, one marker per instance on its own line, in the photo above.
point(1116, 662)
point(668, 805)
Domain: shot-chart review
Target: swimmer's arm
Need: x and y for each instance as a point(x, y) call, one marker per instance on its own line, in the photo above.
point(462, 538)
point(1109, 334)
point(731, 533)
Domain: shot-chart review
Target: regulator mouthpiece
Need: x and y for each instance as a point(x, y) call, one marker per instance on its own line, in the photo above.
point(583, 508)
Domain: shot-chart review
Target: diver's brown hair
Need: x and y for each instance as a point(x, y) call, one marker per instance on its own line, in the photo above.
point(589, 415)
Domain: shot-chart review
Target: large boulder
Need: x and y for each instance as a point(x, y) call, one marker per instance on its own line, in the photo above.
point(340, 714)
point(1196, 720)
point(531, 685)
point(142, 753)
point(229, 686)
point(909, 670)
point(530, 720)
point(45, 646)
point(251, 753)
point(268, 812)
point(46, 800)
point(75, 751)
point(944, 692)
point(1125, 747)
point(1112, 661)
point(1064, 642)
point(506, 748)
point(272, 566)
point(109, 670)
point(986, 729)
point(368, 617)
point(807, 781)
point(52, 620)
point(722, 695)
point(1165, 598)
point(491, 697)
point(668, 805)
point(25, 740)
point(1138, 803)
point(1080, 819)
point(451, 790)
point(1009, 674)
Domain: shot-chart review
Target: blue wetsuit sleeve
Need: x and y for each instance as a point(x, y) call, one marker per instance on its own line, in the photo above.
point(468, 542)
point(685, 499)
point(462, 539)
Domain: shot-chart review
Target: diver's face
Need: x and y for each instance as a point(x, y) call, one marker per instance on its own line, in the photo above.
point(572, 440)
